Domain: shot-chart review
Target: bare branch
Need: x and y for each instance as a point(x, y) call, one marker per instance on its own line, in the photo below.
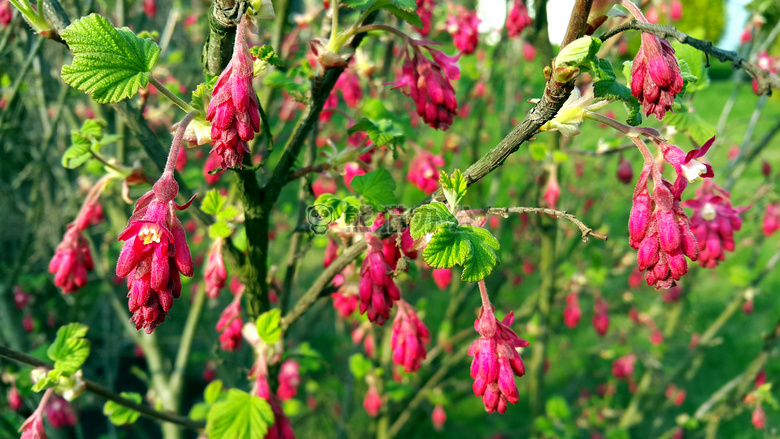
point(586, 231)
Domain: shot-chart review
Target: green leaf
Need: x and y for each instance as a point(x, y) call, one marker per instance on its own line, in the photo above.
point(330, 208)
point(199, 412)
point(119, 414)
point(239, 416)
point(374, 109)
point(381, 132)
point(220, 229)
point(430, 217)
point(407, 16)
point(93, 128)
point(78, 153)
point(454, 187)
point(228, 213)
point(538, 151)
point(108, 63)
point(690, 123)
point(472, 247)
point(201, 94)
point(278, 79)
point(359, 365)
point(268, 326)
point(376, 187)
point(213, 391)
point(557, 408)
point(615, 91)
point(70, 349)
point(579, 52)
point(213, 202)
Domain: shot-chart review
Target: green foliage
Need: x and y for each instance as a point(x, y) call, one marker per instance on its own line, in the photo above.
point(215, 204)
point(268, 326)
point(213, 391)
point(331, 208)
point(705, 17)
point(86, 141)
point(690, 123)
point(454, 187)
point(239, 416)
point(220, 229)
point(381, 132)
point(110, 64)
point(121, 415)
point(359, 365)
point(606, 86)
point(405, 10)
point(428, 218)
point(376, 188)
point(70, 349)
point(472, 247)
point(266, 53)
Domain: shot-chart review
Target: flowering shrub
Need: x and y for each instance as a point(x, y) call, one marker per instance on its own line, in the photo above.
point(375, 177)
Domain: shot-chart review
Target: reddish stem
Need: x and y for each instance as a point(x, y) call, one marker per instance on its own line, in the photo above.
point(177, 138)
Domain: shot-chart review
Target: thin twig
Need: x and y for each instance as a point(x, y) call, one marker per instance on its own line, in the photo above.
point(766, 81)
point(99, 390)
point(586, 231)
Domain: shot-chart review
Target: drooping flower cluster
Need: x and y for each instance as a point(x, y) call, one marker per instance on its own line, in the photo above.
point(442, 277)
point(771, 222)
point(425, 11)
point(423, 171)
point(216, 273)
point(625, 173)
point(234, 109)
point(518, 19)
point(714, 222)
point(409, 338)
point(155, 253)
point(372, 402)
point(496, 360)
point(230, 324)
point(623, 367)
point(59, 413)
point(428, 84)
point(438, 417)
point(600, 319)
point(289, 380)
point(281, 428)
point(658, 227)
point(378, 291)
point(655, 76)
point(7, 13)
point(462, 25)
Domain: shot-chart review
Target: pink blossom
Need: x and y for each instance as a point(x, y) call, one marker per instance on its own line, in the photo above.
point(529, 51)
point(212, 162)
point(6, 13)
point(655, 76)
point(766, 168)
point(281, 428)
point(714, 222)
point(216, 274)
point(424, 171)
point(552, 192)
point(771, 222)
point(442, 277)
point(600, 319)
point(623, 367)
point(635, 278)
point(59, 413)
point(33, 427)
point(439, 417)
point(349, 86)
point(289, 380)
point(230, 324)
point(14, 398)
point(345, 304)
point(323, 185)
point(372, 401)
point(351, 170)
point(378, 291)
point(234, 109)
point(21, 299)
point(150, 8)
point(154, 254)
point(747, 307)
point(409, 338)
point(758, 418)
point(760, 378)
point(425, 11)
point(624, 172)
point(71, 262)
point(331, 252)
point(181, 159)
point(572, 313)
point(428, 84)
point(462, 25)
point(28, 323)
point(676, 10)
point(496, 360)
point(518, 19)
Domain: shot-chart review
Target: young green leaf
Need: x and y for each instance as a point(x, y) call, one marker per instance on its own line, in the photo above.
point(220, 229)
point(239, 416)
point(472, 247)
point(78, 152)
point(213, 202)
point(376, 187)
point(70, 349)
point(428, 218)
point(381, 132)
point(359, 365)
point(268, 326)
point(454, 187)
point(110, 64)
point(213, 391)
point(119, 414)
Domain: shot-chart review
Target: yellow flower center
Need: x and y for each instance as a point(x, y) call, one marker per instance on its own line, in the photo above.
point(150, 233)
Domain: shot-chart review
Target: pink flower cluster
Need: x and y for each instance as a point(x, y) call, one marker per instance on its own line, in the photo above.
point(72, 260)
point(600, 319)
point(463, 27)
point(425, 11)
point(623, 367)
point(230, 324)
point(714, 222)
point(496, 361)
point(572, 312)
point(518, 19)
point(59, 413)
point(234, 109)
point(409, 338)
point(771, 222)
point(372, 401)
point(424, 171)
point(442, 277)
point(289, 380)
point(378, 291)
point(655, 76)
point(281, 428)
point(428, 84)
point(154, 254)
point(216, 274)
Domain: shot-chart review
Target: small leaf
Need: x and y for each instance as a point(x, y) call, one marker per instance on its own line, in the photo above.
point(239, 416)
point(277, 79)
point(557, 408)
point(538, 151)
point(454, 187)
point(381, 132)
point(78, 153)
point(615, 91)
point(119, 414)
point(228, 213)
point(690, 123)
point(410, 17)
point(213, 391)
point(376, 187)
point(472, 247)
point(266, 53)
point(70, 349)
point(110, 64)
point(220, 229)
point(428, 218)
point(213, 202)
point(359, 365)
point(93, 128)
point(268, 326)
point(199, 412)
